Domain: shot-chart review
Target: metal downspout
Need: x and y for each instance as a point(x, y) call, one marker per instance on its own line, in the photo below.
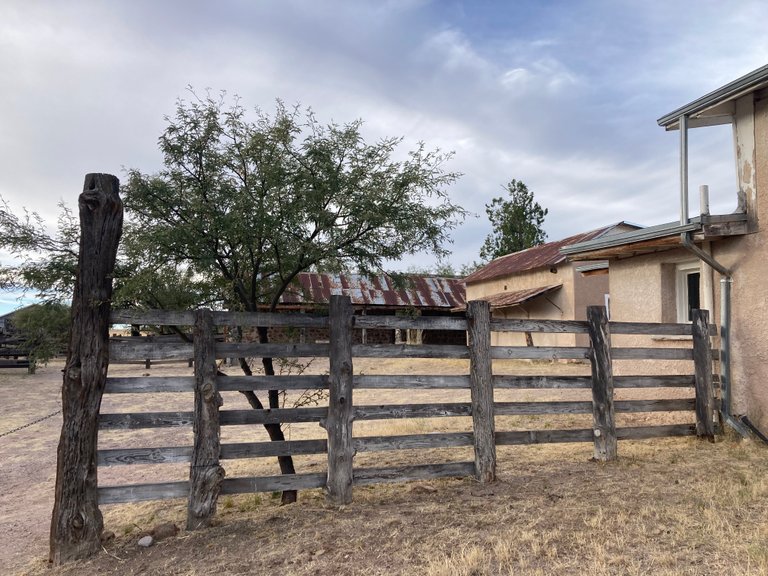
point(683, 170)
point(725, 359)
point(685, 237)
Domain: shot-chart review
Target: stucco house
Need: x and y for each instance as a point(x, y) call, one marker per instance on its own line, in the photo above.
point(715, 262)
point(540, 283)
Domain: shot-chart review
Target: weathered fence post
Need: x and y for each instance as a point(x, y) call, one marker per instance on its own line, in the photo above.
point(481, 384)
point(603, 423)
point(205, 473)
point(338, 424)
point(76, 522)
point(702, 363)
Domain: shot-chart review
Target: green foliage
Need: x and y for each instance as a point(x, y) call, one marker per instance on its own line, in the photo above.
point(45, 262)
point(516, 223)
point(44, 331)
point(244, 205)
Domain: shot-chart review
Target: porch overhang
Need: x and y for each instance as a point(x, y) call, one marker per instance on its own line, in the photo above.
point(514, 298)
point(658, 238)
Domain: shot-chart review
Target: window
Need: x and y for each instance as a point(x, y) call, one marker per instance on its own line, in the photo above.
point(688, 277)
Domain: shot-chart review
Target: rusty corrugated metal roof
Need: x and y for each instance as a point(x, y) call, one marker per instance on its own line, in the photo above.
point(380, 290)
point(516, 297)
point(540, 256)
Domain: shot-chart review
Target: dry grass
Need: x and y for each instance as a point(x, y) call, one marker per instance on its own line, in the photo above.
point(673, 506)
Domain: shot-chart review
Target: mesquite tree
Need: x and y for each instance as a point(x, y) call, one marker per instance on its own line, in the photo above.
point(244, 205)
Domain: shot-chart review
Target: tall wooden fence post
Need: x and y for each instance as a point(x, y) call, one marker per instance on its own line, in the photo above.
point(481, 383)
point(603, 422)
point(205, 473)
point(338, 424)
point(76, 522)
point(702, 361)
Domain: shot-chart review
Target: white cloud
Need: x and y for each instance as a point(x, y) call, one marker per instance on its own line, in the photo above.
point(562, 96)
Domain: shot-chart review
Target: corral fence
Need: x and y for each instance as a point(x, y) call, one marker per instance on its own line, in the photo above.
point(11, 354)
point(206, 456)
point(76, 522)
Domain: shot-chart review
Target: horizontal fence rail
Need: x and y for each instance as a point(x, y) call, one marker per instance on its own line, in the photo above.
point(482, 410)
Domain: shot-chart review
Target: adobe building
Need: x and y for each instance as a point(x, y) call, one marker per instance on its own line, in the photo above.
point(540, 283)
point(715, 262)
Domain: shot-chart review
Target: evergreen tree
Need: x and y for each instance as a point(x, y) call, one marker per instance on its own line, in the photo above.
point(516, 223)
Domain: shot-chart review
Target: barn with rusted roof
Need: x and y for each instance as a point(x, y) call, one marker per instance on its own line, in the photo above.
point(415, 295)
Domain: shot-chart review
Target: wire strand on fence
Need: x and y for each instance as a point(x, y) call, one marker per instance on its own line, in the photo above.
point(28, 424)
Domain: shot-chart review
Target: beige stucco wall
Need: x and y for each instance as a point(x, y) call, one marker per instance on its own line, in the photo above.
point(643, 289)
point(747, 257)
point(558, 305)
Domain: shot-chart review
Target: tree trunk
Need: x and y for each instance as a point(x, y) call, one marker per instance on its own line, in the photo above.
point(274, 430)
point(76, 523)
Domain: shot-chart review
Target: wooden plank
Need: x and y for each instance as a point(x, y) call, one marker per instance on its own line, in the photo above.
point(586, 435)
point(534, 408)
point(242, 450)
point(409, 351)
point(338, 423)
point(664, 405)
point(652, 353)
point(542, 382)
point(516, 438)
point(143, 492)
point(76, 522)
point(273, 448)
point(411, 381)
point(223, 318)
point(411, 323)
point(481, 388)
point(282, 483)
point(153, 317)
point(269, 319)
point(664, 381)
point(413, 441)
point(272, 416)
point(388, 411)
point(538, 353)
point(550, 326)
point(576, 382)
point(14, 363)
point(258, 350)
point(290, 382)
point(650, 328)
point(648, 432)
point(149, 384)
point(367, 476)
point(136, 421)
point(124, 351)
point(702, 362)
point(205, 473)
point(604, 426)
point(15, 352)
point(129, 456)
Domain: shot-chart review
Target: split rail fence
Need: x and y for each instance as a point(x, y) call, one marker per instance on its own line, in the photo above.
point(208, 480)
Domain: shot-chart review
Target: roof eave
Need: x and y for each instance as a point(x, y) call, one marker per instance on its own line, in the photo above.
point(739, 87)
point(572, 252)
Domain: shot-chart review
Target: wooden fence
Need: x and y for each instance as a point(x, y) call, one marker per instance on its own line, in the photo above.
point(207, 477)
point(11, 356)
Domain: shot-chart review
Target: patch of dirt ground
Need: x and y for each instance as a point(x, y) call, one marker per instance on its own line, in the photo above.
point(671, 506)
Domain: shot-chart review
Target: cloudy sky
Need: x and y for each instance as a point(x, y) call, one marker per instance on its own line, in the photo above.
point(563, 95)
